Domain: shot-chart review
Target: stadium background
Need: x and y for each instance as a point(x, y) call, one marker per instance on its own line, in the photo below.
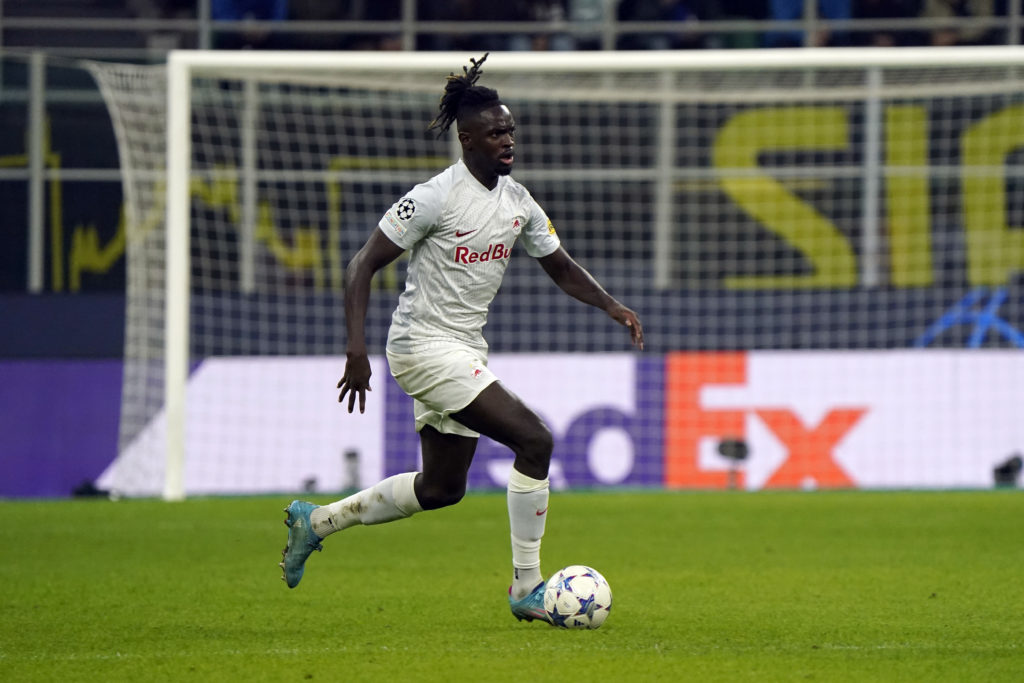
point(63, 306)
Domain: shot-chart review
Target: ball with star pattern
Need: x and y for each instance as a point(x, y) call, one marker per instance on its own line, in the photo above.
point(577, 597)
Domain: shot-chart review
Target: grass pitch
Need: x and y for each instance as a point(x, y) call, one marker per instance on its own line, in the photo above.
point(837, 586)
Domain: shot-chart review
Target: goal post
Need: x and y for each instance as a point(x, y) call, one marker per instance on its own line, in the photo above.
point(778, 200)
point(176, 346)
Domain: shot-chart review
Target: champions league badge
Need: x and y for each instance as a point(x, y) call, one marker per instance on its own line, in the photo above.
point(405, 209)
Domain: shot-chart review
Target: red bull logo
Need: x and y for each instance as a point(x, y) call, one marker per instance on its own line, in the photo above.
point(493, 252)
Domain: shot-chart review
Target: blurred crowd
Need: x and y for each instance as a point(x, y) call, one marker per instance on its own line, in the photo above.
point(589, 14)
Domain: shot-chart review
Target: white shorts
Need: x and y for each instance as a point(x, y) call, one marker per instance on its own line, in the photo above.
point(441, 382)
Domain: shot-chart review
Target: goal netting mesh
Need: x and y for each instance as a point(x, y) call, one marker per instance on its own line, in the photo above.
point(826, 259)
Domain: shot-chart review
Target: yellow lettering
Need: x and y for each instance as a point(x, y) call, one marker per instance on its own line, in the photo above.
point(739, 144)
point(304, 254)
point(219, 193)
point(907, 196)
point(994, 251)
point(87, 255)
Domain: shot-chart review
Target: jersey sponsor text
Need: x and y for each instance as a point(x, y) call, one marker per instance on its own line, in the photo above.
point(493, 252)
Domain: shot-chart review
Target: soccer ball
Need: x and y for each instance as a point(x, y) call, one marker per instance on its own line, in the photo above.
point(577, 597)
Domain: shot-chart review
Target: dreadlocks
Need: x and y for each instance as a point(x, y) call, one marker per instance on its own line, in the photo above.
point(463, 97)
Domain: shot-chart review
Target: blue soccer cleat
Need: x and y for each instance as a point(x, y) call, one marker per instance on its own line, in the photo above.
point(530, 606)
point(301, 541)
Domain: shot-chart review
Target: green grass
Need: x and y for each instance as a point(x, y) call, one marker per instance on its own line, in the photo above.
point(841, 586)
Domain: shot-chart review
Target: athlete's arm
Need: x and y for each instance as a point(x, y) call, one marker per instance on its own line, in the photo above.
point(575, 281)
point(375, 254)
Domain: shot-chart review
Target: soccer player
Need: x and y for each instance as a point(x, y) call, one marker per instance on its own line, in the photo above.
point(460, 226)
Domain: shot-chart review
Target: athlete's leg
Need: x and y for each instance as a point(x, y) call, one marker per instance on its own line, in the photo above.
point(446, 460)
point(502, 416)
point(387, 500)
point(498, 413)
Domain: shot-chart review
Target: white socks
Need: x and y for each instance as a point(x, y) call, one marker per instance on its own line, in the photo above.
point(391, 499)
point(395, 498)
point(527, 512)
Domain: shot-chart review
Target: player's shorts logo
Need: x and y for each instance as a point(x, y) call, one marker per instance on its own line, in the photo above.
point(406, 208)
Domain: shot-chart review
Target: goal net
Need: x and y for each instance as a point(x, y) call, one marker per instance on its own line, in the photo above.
point(824, 246)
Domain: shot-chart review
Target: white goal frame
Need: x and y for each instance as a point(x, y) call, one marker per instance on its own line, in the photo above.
point(183, 65)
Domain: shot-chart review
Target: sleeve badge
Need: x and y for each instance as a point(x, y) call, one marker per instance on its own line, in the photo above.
point(405, 209)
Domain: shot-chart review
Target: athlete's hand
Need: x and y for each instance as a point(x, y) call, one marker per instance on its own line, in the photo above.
point(356, 381)
point(625, 316)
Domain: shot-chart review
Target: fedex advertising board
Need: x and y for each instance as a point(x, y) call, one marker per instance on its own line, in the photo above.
point(879, 419)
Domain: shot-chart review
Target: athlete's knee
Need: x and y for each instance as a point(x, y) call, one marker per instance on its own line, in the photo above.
point(533, 455)
point(539, 443)
point(433, 496)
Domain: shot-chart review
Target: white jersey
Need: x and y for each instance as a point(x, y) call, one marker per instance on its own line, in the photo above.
point(461, 236)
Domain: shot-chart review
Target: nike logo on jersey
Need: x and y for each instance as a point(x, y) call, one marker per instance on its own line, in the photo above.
point(460, 233)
